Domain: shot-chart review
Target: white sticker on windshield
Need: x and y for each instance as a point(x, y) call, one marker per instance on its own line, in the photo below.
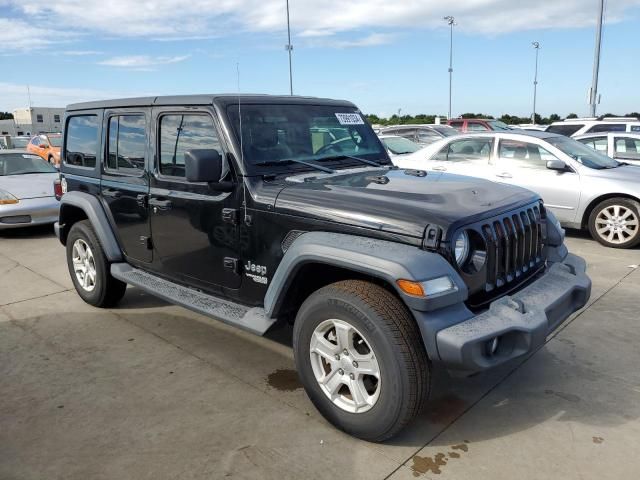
point(29, 156)
point(349, 119)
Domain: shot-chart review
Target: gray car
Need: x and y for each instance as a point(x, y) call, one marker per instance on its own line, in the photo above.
point(26, 190)
point(584, 188)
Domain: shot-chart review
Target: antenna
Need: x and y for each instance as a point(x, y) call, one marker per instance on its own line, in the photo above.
point(244, 184)
point(29, 95)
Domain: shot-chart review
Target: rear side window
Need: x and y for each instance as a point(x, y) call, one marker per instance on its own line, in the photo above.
point(476, 127)
point(82, 141)
point(608, 127)
point(629, 146)
point(597, 143)
point(180, 133)
point(566, 130)
point(127, 143)
point(457, 125)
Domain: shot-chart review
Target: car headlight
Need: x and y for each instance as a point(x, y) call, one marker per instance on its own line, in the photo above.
point(461, 248)
point(7, 199)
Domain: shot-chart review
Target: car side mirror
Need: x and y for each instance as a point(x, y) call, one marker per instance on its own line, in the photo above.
point(203, 165)
point(42, 146)
point(557, 165)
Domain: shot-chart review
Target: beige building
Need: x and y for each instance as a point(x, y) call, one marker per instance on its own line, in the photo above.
point(38, 120)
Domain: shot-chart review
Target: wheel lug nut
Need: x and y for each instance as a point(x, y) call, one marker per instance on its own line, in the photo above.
point(355, 364)
point(341, 371)
point(337, 357)
point(345, 352)
point(352, 376)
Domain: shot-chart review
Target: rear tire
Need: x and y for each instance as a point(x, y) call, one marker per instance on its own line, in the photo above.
point(378, 335)
point(89, 268)
point(615, 223)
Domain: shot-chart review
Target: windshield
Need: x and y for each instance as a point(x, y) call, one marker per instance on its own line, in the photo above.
point(400, 145)
point(324, 134)
point(498, 125)
point(445, 130)
point(21, 164)
point(583, 154)
point(56, 141)
point(19, 142)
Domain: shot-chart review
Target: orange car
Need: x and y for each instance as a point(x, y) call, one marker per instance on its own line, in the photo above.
point(47, 146)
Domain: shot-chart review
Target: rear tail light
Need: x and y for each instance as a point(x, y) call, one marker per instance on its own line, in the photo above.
point(57, 188)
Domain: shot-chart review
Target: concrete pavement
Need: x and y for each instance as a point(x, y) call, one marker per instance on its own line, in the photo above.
point(150, 390)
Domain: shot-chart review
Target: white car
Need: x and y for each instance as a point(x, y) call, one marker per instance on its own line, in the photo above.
point(581, 126)
point(582, 187)
point(624, 147)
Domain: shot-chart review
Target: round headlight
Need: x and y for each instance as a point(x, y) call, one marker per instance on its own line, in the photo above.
point(461, 248)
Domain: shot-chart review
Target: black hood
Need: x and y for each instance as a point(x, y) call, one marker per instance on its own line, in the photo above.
point(399, 202)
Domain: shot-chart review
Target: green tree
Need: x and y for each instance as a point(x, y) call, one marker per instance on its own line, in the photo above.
point(6, 116)
point(571, 115)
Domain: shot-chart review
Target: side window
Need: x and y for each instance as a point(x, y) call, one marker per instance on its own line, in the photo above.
point(563, 129)
point(597, 143)
point(180, 133)
point(524, 155)
point(628, 145)
point(607, 127)
point(469, 150)
point(127, 143)
point(408, 133)
point(39, 118)
point(56, 118)
point(426, 135)
point(35, 141)
point(82, 141)
point(476, 127)
point(456, 125)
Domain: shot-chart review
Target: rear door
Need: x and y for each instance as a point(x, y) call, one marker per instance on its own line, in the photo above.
point(195, 231)
point(465, 156)
point(125, 183)
point(525, 164)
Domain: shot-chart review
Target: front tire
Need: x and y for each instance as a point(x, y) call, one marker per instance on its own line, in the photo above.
point(89, 268)
point(360, 358)
point(615, 223)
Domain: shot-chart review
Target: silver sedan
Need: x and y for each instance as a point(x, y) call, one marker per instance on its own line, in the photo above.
point(26, 190)
point(584, 188)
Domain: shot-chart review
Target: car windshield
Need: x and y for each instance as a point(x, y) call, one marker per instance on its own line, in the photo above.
point(400, 145)
point(583, 154)
point(445, 130)
point(56, 141)
point(19, 142)
point(23, 164)
point(330, 135)
point(498, 125)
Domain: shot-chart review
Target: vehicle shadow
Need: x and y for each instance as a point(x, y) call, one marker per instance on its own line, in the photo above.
point(39, 231)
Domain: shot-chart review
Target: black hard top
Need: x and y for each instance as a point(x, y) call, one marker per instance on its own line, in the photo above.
point(219, 99)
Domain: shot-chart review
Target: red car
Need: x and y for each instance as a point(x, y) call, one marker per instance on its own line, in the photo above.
point(478, 125)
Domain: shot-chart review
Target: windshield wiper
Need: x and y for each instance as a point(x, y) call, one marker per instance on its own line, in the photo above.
point(288, 161)
point(341, 156)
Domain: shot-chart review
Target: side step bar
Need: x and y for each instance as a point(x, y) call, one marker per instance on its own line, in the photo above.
point(247, 318)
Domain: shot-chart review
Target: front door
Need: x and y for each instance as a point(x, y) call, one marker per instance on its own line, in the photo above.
point(525, 164)
point(125, 182)
point(466, 156)
point(195, 236)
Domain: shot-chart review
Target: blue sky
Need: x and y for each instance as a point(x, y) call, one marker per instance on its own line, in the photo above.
point(382, 55)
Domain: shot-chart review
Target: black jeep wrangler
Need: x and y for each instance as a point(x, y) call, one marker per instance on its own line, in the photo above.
point(255, 209)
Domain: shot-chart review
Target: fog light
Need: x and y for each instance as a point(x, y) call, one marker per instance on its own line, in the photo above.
point(492, 346)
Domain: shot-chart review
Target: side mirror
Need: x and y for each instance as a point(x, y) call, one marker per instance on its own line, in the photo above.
point(203, 165)
point(557, 165)
point(43, 146)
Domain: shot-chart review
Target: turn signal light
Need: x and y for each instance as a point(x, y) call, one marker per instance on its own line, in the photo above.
point(411, 288)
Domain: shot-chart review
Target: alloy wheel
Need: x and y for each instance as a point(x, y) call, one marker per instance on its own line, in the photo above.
point(84, 265)
point(617, 224)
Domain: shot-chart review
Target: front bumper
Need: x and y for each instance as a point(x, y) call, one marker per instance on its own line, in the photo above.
point(29, 212)
point(520, 322)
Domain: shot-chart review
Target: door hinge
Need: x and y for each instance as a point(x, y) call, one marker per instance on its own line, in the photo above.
point(146, 241)
point(231, 264)
point(230, 215)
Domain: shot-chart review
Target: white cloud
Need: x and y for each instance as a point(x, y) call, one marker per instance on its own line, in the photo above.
point(166, 19)
point(79, 53)
point(19, 36)
point(369, 41)
point(15, 95)
point(141, 62)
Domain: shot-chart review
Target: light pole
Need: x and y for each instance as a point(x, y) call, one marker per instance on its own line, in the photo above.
point(289, 48)
point(593, 97)
point(536, 45)
point(451, 21)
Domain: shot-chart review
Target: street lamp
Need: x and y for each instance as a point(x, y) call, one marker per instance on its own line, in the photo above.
point(289, 48)
point(536, 45)
point(593, 92)
point(451, 21)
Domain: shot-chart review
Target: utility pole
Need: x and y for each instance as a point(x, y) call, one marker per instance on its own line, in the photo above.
point(593, 97)
point(536, 45)
point(289, 48)
point(451, 21)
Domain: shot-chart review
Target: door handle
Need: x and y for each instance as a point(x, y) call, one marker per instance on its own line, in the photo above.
point(158, 204)
point(142, 200)
point(504, 175)
point(111, 193)
point(439, 168)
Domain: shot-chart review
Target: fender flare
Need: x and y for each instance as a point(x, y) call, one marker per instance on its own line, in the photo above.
point(94, 211)
point(389, 261)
